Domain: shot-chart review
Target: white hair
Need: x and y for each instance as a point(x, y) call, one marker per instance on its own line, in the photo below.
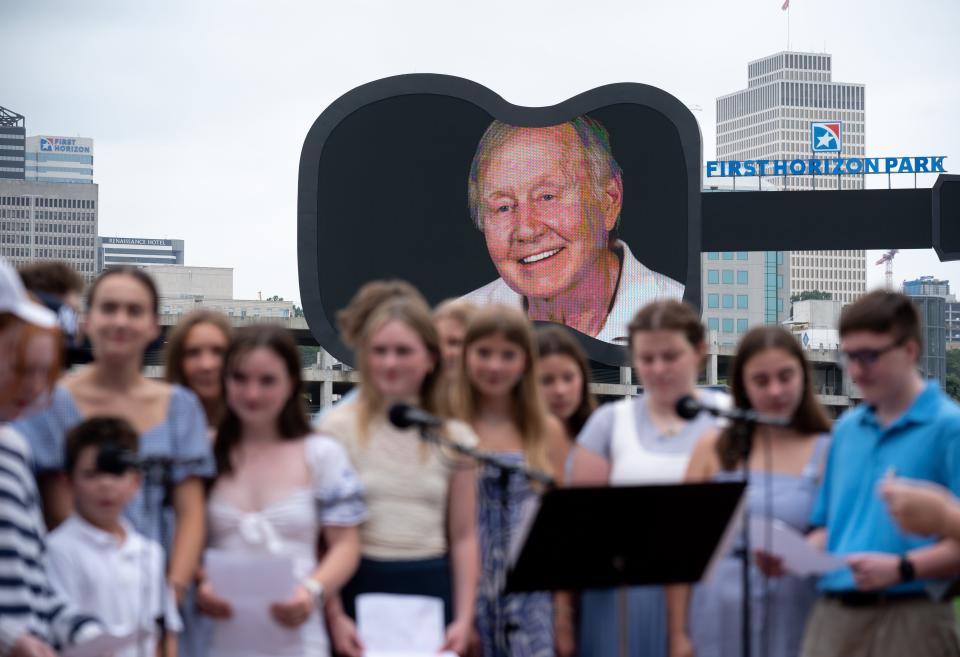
point(594, 140)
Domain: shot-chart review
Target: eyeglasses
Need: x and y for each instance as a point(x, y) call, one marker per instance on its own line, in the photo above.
point(867, 357)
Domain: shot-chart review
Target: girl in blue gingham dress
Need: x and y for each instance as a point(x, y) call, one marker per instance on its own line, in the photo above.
point(518, 624)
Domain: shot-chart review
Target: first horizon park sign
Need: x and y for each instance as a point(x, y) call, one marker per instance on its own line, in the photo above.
point(832, 166)
point(826, 137)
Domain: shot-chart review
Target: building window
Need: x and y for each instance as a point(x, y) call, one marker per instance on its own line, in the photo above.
point(742, 301)
point(742, 277)
point(728, 277)
point(713, 255)
point(728, 301)
point(713, 301)
point(713, 276)
point(742, 255)
point(742, 326)
point(728, 255)
point(728, 325)
point(713, 324)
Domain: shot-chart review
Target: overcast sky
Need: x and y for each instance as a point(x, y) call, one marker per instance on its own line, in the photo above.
point(199, 109)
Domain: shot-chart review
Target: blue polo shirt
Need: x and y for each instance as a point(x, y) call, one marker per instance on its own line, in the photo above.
point(924, 443)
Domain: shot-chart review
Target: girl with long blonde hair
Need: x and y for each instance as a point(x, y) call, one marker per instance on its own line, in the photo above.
point(499, 396)
point(420, 537)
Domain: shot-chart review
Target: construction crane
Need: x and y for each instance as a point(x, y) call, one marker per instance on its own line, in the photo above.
point(887, 260)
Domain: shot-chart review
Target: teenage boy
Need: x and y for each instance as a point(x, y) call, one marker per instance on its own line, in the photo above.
point(96, 557)
point(882, 603)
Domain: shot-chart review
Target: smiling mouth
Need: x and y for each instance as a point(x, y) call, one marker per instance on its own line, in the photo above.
point(537, 257)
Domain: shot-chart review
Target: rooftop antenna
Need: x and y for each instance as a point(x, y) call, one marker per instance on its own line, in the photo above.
point(786, 7)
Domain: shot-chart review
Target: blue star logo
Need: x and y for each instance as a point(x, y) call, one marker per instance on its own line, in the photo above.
point(825, 136)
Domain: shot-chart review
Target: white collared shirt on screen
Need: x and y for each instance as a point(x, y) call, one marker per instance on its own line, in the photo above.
point(639, 285)
point(118, 582)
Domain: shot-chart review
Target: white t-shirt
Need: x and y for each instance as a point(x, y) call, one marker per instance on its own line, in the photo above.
point(623, 434)
point(118, 582)
point(639, 285)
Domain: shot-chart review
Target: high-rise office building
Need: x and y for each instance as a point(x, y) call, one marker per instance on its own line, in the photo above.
point(12, 136)
point(49, 221)
point(771, 119)
point(138, 251)
point(928, 286)
point(59, 159)
point(743, 289)
point(937, 309)
point(933, 327)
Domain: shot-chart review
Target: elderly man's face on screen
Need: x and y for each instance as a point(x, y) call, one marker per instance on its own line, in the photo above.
point(546, 223)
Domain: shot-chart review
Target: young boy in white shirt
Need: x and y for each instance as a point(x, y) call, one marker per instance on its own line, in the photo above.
point(96, 557)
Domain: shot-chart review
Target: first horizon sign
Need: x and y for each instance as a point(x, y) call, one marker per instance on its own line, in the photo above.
point(834, 166)
point(826, 137)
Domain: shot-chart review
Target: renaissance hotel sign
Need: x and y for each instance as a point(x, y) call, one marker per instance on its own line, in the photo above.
point(826, 137)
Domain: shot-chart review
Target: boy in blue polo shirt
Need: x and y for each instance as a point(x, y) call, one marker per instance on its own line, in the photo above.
point(907, 427)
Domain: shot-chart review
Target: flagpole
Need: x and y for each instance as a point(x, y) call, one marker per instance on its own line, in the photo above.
point(788, 28)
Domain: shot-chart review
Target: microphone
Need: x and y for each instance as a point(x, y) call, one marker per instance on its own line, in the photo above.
point(404, 416)
point(688, 407)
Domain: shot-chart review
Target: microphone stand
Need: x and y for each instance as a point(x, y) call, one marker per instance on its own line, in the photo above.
point(159, 473)
point(505, 469)
point(746, 429)
point(744, 421)
point(488, 458)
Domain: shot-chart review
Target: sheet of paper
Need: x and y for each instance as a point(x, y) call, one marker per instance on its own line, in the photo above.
point(251, 583)
point(399, 625)
point(799, 557)
point(104, 644)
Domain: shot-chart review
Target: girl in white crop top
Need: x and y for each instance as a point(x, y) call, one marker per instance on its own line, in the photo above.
point(643, 441)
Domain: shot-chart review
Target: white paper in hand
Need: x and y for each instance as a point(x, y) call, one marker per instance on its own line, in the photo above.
point(251, 583)
point(781, 540)
point(400, 625)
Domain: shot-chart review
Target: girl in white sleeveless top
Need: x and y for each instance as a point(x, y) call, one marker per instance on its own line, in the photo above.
point(643, 441)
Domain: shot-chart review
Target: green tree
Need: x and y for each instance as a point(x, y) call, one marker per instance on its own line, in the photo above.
point(308, 355)
point(953, 373)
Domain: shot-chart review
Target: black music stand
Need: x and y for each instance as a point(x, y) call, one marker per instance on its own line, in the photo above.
point(584, 538)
